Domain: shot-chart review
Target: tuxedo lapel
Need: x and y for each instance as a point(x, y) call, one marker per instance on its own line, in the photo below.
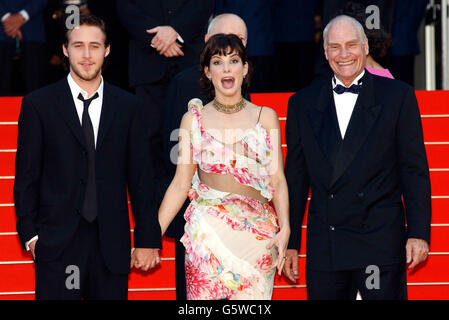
point(324, 123)
point(365, 113)
point(108, 110)
point(67, 110)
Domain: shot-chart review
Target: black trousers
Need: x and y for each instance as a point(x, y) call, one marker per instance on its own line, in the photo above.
point(153, 97)
point(180, 272)
point(80, 272)
point(32, 64)
point(343, 285)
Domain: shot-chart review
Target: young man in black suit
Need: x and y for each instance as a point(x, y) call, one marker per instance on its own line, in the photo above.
point(357, 142)
point(81, 144)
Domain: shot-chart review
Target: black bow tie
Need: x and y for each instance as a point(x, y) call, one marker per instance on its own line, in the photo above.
point(355, 88)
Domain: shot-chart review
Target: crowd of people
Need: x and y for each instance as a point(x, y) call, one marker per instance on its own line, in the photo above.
point(284, 35)
point(203, 164)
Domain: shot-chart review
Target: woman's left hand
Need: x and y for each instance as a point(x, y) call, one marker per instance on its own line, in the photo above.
point(281, 242)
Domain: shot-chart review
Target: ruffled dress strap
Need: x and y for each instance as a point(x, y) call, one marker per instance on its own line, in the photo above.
point(196, 106)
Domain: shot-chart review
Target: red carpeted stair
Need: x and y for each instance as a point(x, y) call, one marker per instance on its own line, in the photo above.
point(429, 281)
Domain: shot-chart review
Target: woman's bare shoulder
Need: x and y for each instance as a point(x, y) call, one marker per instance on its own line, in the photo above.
point(268, 117)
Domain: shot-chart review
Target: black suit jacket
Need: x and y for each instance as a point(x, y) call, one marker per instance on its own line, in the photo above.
point(188, 17)
point(356, 215)
point(51, 170)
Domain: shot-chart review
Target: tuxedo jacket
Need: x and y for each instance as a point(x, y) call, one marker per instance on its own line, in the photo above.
point(356, 216)
point(188, 17)
point(33, 30)
point(51, 173)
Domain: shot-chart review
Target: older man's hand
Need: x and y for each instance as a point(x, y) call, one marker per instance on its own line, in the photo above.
point(174, 50)
point(12, 24)
point(291, 265)
point(165, 36)
point(417, 251)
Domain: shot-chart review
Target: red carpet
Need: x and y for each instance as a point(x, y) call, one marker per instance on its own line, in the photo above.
point(429, 281)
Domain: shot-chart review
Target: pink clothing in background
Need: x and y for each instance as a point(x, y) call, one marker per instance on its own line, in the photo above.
point(380, 72)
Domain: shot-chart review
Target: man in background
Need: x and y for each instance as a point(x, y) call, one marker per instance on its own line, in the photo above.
point(22, 35)
point(185, 86)
point(166, 38)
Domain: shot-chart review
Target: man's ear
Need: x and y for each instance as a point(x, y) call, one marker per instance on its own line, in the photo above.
point(107, 51)
point(366, 47)
point(206, 37)
point(64, 50)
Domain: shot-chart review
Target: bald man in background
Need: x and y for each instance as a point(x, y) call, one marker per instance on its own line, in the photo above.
point(183, 87)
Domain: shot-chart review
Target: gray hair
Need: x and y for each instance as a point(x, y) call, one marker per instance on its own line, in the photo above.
point(357, 24)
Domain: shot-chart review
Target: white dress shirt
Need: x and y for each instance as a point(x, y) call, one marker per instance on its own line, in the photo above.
point(345, 103)
point(95, 106)
point(94, 113)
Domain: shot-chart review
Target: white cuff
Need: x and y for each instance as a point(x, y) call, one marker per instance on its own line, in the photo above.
point(25, 15)
point(5, 16)
point(27, 247)
point(179, 38)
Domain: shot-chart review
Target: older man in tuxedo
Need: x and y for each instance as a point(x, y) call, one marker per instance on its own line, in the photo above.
point(81, 147)
point(356, 140)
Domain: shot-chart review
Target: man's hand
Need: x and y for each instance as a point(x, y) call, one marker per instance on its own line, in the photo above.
point(144, 258)
point(174, 50)
point(32, 246)
point(165, 36)
point(12, 25)
point(417, 251)
point(280, 241)
point(291, 265)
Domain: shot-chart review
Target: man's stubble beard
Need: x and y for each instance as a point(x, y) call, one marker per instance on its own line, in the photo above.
point(81, 76)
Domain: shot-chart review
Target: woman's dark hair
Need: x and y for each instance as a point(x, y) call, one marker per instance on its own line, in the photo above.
point(222, 44)
point(379, 41)
point(89, 20)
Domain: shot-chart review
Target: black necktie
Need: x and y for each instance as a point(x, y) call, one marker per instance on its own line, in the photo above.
point(355, 88)
point(90, 199)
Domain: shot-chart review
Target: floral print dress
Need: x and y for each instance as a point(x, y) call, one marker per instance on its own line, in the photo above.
point(226, 234)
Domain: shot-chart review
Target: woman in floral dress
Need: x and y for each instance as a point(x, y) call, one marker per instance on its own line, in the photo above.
point(230, 165)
